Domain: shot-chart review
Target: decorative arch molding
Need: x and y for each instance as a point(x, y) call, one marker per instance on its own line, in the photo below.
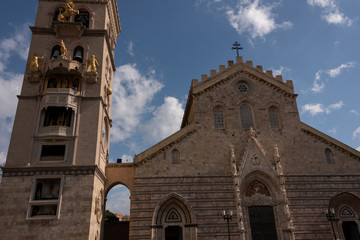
point(347, 210)
point(173, 210)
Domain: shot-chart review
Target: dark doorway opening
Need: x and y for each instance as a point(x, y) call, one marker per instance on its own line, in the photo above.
point(351, 231)
point(173, 233)
point(262, 223)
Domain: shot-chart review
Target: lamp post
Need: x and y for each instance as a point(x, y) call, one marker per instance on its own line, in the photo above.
point(330, 215)
point(227, 215)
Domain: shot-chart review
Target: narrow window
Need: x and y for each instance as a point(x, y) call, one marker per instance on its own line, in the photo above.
point(175, 156)
point(78, 54)
point(329, 157)
point(83, 17)
point(55, 52)
point(218, 118)
point(246, 116)
point(273, 118)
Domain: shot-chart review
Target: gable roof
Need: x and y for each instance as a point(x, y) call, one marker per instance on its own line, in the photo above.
point(232, 71)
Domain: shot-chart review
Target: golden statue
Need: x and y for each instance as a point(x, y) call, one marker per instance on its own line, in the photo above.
point(34, 62)
point(92, 64)
point(63, 49)
point(69, 11)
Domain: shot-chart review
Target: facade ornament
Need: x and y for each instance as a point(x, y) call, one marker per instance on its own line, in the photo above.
point(255, 160)
point(69, 11)
point(252, 133)
point(63, 49)
point(34, 62)
point(92, 64)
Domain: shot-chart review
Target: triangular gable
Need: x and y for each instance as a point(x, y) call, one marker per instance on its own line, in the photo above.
point(232, 71)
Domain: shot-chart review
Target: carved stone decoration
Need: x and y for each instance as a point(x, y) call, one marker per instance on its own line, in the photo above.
point(256, 187)
point(173, 216)
point(98, 206)
point(34, 76)
point(91, 77)
point(255, 160)
point(346, 212)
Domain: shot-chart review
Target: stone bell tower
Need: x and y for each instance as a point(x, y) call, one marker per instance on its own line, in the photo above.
point(53, 180)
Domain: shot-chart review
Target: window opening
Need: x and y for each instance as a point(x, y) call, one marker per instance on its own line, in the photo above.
point(246, 116)
point(45, 198)
point(78, 54)
point(83, 17)
point(273, 118)
point(262, 223)
point(329, 157)
point(243, 88)
point(175, 156)
point(55, 52)
point(218, 118)
point(58, 116)
point(52, 152)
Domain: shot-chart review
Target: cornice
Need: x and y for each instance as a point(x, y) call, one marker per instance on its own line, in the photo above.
point(330, 141)
point(40, 171)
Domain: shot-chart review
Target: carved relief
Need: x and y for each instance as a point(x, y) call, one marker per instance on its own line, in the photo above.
point(256, 187)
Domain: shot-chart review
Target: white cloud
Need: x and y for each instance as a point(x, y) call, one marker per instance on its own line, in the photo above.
point(315, 109)
point(133, 93)
point(354, 112)
point(131, 49)
point(166, 120)
point(317, 85)
point(331, 12)
point(334, 106)
point(282, 70)
point(254, 18)
point(358, 148)
point(117, 200)
point(356, 133)
point(337, 71)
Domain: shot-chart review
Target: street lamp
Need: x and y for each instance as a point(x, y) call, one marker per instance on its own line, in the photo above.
point(227, 215)
point(330, 215)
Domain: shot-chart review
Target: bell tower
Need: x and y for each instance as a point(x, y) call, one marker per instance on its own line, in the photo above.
point(53, 180)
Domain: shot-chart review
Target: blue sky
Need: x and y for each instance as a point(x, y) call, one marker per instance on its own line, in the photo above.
point(164, 44)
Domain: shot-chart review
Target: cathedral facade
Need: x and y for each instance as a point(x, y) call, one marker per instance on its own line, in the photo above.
point(242, 166)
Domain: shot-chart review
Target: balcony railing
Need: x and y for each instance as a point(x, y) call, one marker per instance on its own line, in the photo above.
point(60, 97)
point(62, 131)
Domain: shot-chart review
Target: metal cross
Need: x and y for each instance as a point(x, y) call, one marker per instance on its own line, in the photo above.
point(237, 47)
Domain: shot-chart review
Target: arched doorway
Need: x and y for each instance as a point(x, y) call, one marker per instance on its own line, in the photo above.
point(117, 213)
point(173, 219)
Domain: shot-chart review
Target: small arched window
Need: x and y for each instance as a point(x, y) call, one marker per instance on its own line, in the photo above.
point(55, 52)
point(175, 155)
point(78, 54)
point(274, 118)
point(52, 83)
point(218, 118)
point(83, 17)
point(246, 116)
point(329, 157)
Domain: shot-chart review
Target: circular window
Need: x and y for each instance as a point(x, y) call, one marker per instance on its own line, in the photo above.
point(243, 88)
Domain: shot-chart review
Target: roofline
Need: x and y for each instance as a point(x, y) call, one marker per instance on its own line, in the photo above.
point(330, 141)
